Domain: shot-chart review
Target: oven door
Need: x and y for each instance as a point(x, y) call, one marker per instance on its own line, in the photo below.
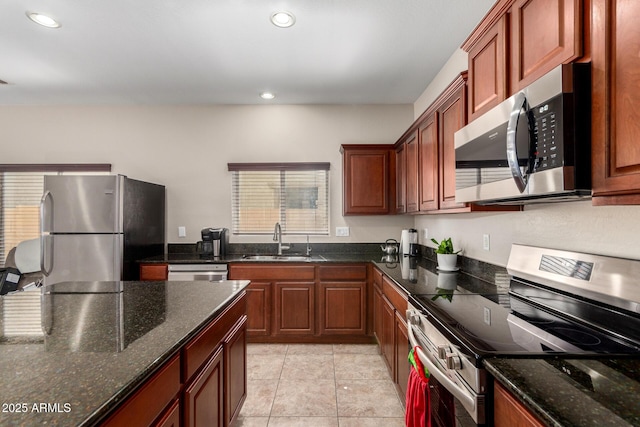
point(453, 402)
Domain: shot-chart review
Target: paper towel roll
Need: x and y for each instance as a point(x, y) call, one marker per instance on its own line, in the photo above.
point(28, 256)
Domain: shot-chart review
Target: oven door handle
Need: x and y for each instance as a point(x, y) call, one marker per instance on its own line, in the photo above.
point(467, 399)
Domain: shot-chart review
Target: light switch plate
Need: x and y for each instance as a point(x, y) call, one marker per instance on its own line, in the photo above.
point(342, 231)
point(182, 231)
point(486, 242)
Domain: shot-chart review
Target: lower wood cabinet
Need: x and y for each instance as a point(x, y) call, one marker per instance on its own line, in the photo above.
point(390, 328)
point(203, 385)
point(509, 412)
point(154, 272)
point(306, 302)
point(294, 308)
point(204, 397)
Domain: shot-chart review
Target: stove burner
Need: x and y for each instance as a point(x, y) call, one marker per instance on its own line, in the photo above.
point(576, 337)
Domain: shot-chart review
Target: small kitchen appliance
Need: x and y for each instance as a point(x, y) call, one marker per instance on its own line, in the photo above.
point(390, 247)
point(409, 242)
point(214, 242)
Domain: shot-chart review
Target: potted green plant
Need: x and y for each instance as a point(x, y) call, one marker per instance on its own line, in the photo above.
point(446, 254)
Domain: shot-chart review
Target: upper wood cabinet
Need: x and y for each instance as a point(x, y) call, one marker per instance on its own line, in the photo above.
point(411, 164)
point(517, 42)
point(428, 173)
point(616, 89)
point(488, 69)
point(401, 179)
point(368, 179)
point(544, 34)
point(452, 117)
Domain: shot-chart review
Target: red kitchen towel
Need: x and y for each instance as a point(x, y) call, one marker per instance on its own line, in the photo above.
point(418, 412)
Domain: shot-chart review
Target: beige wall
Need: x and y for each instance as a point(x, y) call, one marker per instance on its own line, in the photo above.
point(187, 148)
point(575, 226)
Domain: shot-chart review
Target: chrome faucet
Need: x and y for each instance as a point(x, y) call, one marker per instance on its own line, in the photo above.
point(277, 237)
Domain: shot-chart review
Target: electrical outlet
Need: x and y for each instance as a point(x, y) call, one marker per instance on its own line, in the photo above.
point(182, 231)
point(342, 231)
point(486, 242)
point(425, 234)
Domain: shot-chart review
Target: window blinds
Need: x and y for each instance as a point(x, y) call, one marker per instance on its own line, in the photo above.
point(294, 194)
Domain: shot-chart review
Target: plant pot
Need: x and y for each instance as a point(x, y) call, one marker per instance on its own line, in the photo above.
point(447, 262)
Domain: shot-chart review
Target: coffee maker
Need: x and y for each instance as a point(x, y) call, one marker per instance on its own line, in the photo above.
point(214, 242)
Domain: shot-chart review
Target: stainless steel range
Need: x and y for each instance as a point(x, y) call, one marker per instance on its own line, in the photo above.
point(559, 304)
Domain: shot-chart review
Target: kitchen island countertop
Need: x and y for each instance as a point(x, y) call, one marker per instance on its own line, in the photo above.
point(85, 364)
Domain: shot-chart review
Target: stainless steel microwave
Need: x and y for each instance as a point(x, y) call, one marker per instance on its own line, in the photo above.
point(533, 147)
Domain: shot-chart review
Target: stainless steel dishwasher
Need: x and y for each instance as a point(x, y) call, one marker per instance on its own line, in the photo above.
point(187, 272)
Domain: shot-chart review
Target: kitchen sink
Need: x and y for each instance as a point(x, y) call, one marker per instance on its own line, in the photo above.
point(281, 258)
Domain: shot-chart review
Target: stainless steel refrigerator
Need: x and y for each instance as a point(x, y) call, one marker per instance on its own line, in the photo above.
point(96, 228)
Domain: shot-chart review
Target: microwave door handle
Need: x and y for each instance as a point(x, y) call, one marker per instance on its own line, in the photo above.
point(512, 148)
point(465, 397)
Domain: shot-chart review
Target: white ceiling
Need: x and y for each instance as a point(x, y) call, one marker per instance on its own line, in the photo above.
point(227, 51)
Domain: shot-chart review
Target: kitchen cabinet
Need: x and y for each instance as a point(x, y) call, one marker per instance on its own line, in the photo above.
point(203, 396)
point(204, 384)
point(509, 412)
point(410, 174)
point(368, 181)
point(488, 69)
point(544, 34)
point(294, 308)
point(377, 304)
point(155, 399)
point(516, 43)
point(342, 299)
point(390, 308)
point(154, 272)
point(306, 302)
point(451, 118)
point(428, 172)
point(616, 89)
point(401, 179)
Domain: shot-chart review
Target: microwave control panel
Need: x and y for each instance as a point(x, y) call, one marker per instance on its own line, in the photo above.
point(546, 148)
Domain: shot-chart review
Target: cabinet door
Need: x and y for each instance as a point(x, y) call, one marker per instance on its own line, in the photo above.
point(616, 90)
point(235, 375)
point(428, 160)
point(171, 418)
point(411, 161)
point(509, 412)
point(452, 116)
point(488, 70)
point(401, 179)
point(401, 355)
point(388, 334)
point(366, 180)
point(377, 315)
point(204, 397)
point(343, 308)
point(295, 308)
point(544, 34)
point(259, 308)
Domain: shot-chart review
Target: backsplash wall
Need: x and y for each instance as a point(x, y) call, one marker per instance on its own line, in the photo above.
point(577, 226)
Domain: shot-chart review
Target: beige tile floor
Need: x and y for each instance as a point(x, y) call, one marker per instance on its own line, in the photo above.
point(318, 385)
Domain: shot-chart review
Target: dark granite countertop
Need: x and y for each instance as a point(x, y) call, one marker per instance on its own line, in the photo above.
point(574, 392)
point(98, 347)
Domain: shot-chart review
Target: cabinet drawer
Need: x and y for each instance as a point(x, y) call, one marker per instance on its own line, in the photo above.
point(377, 278)
point(343, 272)
point(395, 296)
point(149, 402)
point(200, 348)
point(154, 271)
point(268, 271)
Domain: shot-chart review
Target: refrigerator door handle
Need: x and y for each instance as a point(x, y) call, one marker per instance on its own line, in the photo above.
point(43, 236)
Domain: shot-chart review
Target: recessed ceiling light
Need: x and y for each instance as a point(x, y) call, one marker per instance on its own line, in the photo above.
point(43, 20)
point(267, 95)
point(283, 19)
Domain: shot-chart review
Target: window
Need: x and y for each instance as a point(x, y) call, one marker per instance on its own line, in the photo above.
point(294, 194)
point(21, 188)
